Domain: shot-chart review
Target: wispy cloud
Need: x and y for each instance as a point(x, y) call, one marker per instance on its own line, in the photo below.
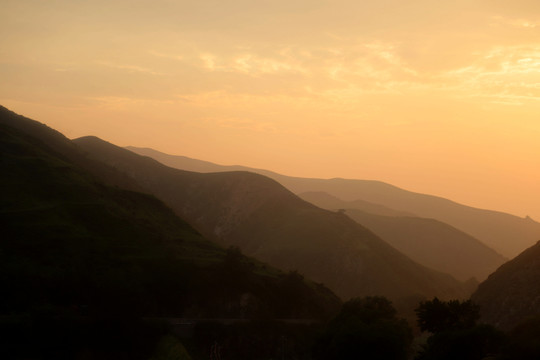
point(516, 22)
point(506, 75)
point(130, 68)
point(166, 55)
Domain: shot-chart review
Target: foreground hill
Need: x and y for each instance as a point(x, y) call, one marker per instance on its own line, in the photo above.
point(512, 294)
point(269, 222)
point(71, 243)
point(426, 241)
point(507, 234)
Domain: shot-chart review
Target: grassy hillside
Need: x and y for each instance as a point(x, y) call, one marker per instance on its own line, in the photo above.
point(267, 221)
point(507, 234)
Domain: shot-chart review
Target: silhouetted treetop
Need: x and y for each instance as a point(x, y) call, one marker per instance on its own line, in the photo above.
point(437, 316)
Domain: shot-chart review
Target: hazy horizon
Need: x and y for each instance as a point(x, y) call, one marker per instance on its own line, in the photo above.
point(436, 98)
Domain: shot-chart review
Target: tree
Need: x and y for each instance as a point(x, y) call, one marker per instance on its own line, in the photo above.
point(523, 341)
point(474, 343)
point(236, 264)
point(455, 334)
point(437, 316)
point(365, 328)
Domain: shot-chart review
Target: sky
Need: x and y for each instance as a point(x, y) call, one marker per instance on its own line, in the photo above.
point(435, 97)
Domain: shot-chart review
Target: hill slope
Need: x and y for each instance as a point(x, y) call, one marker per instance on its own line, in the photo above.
point(507, 234)
point(269, 222)
point(426, 241)
point(512, 294)
point(70, 242)
point(327, 201)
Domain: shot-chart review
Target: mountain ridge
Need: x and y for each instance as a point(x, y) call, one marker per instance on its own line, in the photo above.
point(77, 245)
point(507, 234)
point(511, 294)
point(282, 229)
point(428, 241)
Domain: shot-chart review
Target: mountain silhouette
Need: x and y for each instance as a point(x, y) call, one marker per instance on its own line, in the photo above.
point(327, 201)
point(511, 294)
point(427, 241)
point(74, 245)
point(507, 234)
point(272, 224)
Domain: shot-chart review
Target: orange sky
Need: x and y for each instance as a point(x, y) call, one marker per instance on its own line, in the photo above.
point(432, 96)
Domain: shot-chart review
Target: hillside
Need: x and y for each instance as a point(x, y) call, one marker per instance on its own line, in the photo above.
point(511, 294)
point(507, 234)
point(73, 244)
point(267, 221)
point(329, 202)
point(433, 244)
point(427, 241)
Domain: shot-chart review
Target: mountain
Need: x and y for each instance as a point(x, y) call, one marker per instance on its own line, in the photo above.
point(511, 295)
point(270, 223)
point(327, 201)
point(72, 244)
point(507, 234)
point(433, 244)
point(427, 241)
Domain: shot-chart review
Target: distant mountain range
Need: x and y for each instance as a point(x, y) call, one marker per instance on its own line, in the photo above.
point(507, 234)
point(426, 241)
point(511, 295)
point(272, 224)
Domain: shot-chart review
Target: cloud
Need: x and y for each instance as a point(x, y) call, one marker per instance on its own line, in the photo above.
point(516, 22)
point(506, 75)
point(130, 68)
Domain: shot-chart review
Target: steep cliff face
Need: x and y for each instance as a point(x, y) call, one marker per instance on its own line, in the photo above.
point(512, 294)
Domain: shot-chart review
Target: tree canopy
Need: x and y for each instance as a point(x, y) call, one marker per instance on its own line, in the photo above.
point(365, 328)
point(436, 316)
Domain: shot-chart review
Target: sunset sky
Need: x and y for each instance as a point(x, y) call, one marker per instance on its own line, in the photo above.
point(439, 97)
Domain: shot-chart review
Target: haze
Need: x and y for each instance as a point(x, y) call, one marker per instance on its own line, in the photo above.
point(435, 97)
